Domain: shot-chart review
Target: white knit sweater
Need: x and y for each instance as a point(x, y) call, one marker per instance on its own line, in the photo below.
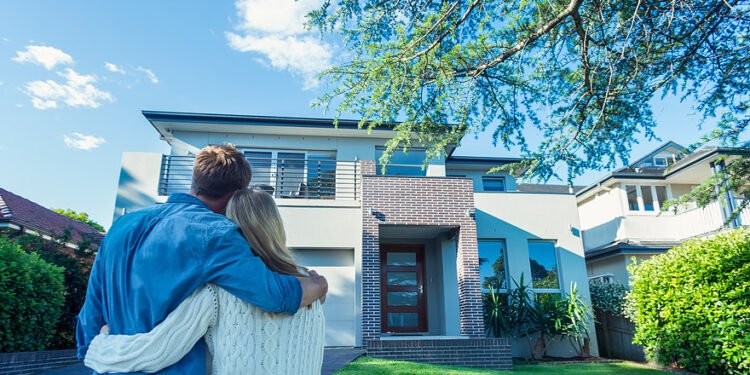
point(241, 338)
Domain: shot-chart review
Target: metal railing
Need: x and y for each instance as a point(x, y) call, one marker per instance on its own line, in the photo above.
point(281, 177)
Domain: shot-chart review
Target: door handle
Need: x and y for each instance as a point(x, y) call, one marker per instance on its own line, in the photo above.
point(421, 289)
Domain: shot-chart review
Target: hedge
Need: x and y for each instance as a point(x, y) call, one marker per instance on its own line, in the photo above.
point(32, 295)
point(691, 305)
point(608, 297)
point(75, 278)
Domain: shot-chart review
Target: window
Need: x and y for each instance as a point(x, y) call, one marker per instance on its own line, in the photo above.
point(492, 265)
point(402, 163)
point(632, 197)
point(661, 195)
point(491, 183)
point(260, 162)
point(543, 262)
point(321, 174)
point(661, 162)
point(646, 198)
point(293, 173)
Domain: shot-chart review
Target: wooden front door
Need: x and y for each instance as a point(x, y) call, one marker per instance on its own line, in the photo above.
point(403, 302)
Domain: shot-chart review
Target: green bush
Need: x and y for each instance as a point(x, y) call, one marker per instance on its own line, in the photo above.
point(76, 274)
point(31, 295)
point(691, 306)
point(608, 297)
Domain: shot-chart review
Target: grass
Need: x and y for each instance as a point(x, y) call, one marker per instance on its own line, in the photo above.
point(375, 366)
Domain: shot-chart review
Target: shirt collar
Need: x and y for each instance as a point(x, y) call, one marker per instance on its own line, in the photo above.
point(185, 198)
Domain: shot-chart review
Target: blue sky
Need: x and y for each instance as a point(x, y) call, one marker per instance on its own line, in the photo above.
point(75, 75)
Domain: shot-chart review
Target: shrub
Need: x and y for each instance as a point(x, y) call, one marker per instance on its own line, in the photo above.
point(31, 291)
point(75, 279)
point(691, 306)
point(524, 314)
point(608, 297)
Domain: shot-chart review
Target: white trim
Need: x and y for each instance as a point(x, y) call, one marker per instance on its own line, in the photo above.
point(10, 225)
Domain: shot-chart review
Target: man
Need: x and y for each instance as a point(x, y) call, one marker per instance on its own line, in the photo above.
point(152, 259)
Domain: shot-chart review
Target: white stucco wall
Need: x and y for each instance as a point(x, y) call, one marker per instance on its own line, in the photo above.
point(139, 182)
point(520, 217)
point(616, 265)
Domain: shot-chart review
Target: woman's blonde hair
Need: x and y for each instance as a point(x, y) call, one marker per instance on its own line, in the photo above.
point(256, 214)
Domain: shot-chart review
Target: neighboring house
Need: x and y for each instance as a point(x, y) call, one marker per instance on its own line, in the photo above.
point(621, 214)
point(20, 215)
point(407, 251)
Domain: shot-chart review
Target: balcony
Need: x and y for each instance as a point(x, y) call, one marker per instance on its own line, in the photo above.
point(283, 177)
point(666, 226)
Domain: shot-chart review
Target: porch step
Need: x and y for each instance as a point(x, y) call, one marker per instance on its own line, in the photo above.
point(474, 352)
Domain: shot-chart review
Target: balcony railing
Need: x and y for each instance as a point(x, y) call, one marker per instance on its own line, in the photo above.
point(282, 177)
point(668, 226)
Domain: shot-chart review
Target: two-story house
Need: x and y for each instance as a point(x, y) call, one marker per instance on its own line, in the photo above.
point(408, 250)
point(621, 214)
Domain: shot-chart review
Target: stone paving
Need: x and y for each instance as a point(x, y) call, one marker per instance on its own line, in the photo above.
point(334, 359)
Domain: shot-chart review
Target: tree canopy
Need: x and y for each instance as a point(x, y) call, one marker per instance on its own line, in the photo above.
point(80, 216)
point(581, 73)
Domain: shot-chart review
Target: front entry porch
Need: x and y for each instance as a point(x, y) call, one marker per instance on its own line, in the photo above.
point(420, 292)
point(419, 282)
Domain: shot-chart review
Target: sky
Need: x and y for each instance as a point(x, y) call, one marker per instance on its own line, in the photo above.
point(75, 76)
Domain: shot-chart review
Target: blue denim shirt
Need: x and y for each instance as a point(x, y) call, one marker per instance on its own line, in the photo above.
point(152, 259)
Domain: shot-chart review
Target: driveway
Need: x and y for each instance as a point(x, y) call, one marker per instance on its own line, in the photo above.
point(333, 360)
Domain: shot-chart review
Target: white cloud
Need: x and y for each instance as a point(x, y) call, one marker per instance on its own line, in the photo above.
point(114, 68)
point(48, 57)
point(149, 73)
point(78, 90)
point(275, 30)
point(83, 142)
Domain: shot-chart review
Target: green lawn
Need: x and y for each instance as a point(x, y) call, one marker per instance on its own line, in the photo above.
point(374, 366)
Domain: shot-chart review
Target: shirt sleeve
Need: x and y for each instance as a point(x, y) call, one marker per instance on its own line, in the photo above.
point(230, 264)
point(90, 319)
point(161, 347)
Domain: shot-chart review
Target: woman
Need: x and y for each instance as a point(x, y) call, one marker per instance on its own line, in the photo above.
point(241, 338)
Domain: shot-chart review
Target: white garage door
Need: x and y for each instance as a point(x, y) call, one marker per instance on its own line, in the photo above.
point(338, 268)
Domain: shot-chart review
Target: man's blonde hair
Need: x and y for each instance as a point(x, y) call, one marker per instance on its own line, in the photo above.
point(219, 170)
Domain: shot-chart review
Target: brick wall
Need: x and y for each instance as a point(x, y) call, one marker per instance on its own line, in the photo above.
point(437, 201)
point(484, 353)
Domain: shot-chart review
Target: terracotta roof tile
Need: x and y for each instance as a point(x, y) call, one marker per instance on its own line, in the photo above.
point(23, 212)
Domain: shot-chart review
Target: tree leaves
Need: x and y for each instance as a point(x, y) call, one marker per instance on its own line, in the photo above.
point(580, 74)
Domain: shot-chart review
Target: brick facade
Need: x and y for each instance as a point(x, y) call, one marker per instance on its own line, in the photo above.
point(427, 201)
point(484, 353)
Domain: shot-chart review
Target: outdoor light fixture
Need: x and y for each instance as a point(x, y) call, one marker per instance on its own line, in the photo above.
point(369, 210)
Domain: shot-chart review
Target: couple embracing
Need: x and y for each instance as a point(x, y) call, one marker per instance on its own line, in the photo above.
point(203, 284)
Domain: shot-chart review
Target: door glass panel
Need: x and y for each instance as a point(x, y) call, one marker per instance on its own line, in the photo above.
point(260, 162)
point(648, 198)
point(402, 298)
point(290, 174)
point(403, 319)
point(401, 259)
point(402, 278)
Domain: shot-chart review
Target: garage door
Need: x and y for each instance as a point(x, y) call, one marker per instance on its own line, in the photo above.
point(340, 307)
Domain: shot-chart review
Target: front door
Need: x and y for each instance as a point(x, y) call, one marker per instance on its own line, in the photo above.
point(403, 302)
